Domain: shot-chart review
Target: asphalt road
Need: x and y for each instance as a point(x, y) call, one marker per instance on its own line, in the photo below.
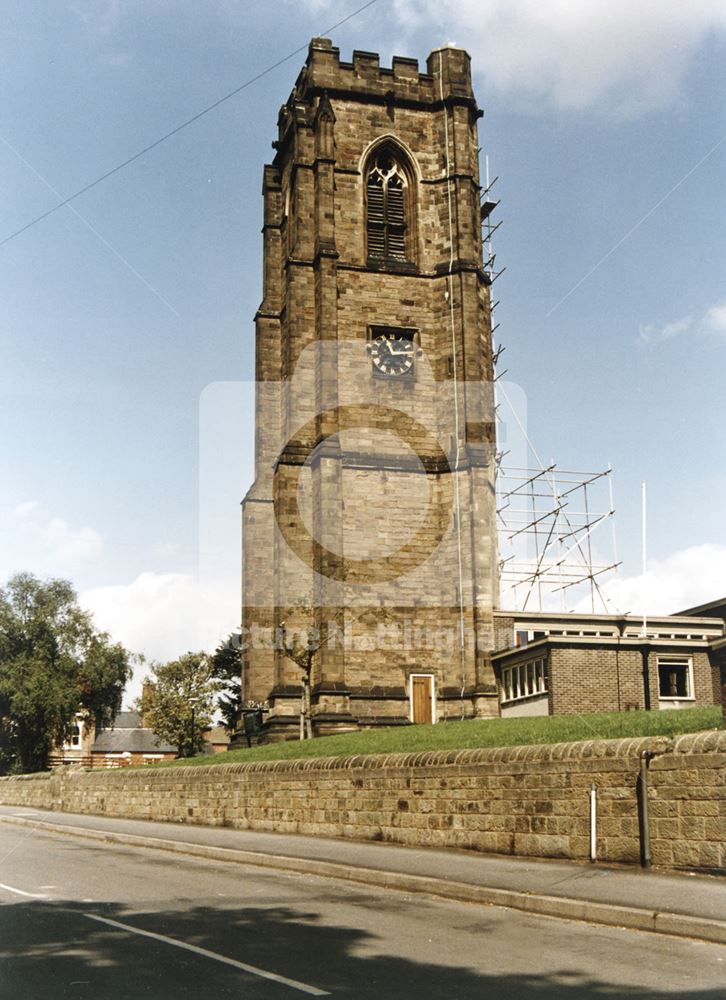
point(100, 921)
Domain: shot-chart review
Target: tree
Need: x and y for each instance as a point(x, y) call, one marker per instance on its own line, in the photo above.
point(301, 648)
point(226, 667)
point(53, 664)
point(178, 703)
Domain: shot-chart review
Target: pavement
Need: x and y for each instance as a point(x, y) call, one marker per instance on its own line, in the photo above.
point(681, 904)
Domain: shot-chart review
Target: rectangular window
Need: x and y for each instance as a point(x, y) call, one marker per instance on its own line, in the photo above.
point(524, 635)
point(525, 680)
point(675, 677)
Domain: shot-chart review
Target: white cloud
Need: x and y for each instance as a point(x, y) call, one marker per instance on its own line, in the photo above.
point(26, 509)
point(715, 318)
point(101, 17)
point(622, 56)
point(713, 321)
point(315, 6)
point(652, 334)
point(52, 537)
point(163, 615)
point(167, 550)
point(683, 580)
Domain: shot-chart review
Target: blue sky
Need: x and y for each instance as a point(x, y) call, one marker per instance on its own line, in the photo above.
point(127, 320)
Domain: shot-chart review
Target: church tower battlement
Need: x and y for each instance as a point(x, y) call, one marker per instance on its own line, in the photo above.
point(370, 527)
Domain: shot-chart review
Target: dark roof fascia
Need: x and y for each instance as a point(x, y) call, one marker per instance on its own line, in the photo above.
point(700, 609)
point(542, 646)
point(686, 621)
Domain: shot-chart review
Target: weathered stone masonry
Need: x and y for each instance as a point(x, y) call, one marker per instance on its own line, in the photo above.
point(332, 502)
point(513, 800)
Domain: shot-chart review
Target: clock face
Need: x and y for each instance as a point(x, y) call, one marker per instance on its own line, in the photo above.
point(392, 354)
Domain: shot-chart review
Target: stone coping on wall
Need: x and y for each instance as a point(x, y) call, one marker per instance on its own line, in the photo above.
point(709, 741)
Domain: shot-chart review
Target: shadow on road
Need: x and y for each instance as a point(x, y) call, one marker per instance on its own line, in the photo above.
point(53, 950)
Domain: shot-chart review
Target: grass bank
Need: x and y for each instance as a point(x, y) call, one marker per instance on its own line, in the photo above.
point(477, 733)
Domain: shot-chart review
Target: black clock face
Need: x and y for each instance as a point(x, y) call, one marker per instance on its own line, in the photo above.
point(392, 355)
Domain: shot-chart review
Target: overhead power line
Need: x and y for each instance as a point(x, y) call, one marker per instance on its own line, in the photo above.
point(179, 128)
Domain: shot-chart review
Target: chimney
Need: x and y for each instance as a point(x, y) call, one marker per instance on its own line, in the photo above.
point(147, 698)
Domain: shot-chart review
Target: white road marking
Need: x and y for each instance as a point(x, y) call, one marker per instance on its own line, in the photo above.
point(263, 973)
point(21, 892)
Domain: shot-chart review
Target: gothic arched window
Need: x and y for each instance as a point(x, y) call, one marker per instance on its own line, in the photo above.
point(387, 220)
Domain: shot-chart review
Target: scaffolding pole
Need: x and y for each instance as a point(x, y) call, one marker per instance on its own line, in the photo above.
point(547, 518)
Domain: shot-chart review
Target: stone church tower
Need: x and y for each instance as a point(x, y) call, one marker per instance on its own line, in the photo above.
point(369, 533)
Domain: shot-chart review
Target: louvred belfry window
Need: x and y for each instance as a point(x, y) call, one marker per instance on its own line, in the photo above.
point(386, 221)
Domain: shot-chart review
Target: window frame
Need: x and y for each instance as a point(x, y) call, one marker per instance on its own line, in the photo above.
point(401, 168)
point(525, 680)
point(676, 660)
point(524, 635)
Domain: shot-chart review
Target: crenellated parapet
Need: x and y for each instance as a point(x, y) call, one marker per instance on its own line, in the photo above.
point(447, 81)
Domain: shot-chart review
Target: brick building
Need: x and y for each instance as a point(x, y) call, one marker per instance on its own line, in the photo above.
point(126, 741)
point(370, 530)
point(129, 741)
point(550, 664)
point(715, 609)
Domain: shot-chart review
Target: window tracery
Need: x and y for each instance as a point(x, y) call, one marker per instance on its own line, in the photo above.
point(387, 208)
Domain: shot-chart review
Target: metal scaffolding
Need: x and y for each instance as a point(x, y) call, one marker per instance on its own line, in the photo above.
point(489, 228)
point(546, 519)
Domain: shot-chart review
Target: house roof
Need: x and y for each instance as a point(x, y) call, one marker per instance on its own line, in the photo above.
point(127, 720)
point(217, 734)
point(127, 735)
point(715, 608)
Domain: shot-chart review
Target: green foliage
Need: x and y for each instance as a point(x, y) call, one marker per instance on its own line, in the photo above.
point(226, 667)
point(483, 733)
point(178, 703)
point(53, 663)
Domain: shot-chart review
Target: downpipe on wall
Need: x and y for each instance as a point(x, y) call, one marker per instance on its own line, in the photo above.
point(643, 819)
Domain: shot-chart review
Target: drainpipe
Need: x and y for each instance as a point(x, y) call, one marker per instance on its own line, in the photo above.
point(644, 652)
point(643, 821)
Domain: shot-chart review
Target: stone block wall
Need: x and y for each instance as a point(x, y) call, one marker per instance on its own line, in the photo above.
point(530, 801)
point(353, 502)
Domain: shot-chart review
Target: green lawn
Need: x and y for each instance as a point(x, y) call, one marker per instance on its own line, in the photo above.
point(478, 733)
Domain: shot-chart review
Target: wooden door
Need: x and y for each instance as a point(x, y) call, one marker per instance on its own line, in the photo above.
point(422, 686)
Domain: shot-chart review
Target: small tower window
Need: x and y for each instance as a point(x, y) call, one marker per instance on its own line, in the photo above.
point(386, 188)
